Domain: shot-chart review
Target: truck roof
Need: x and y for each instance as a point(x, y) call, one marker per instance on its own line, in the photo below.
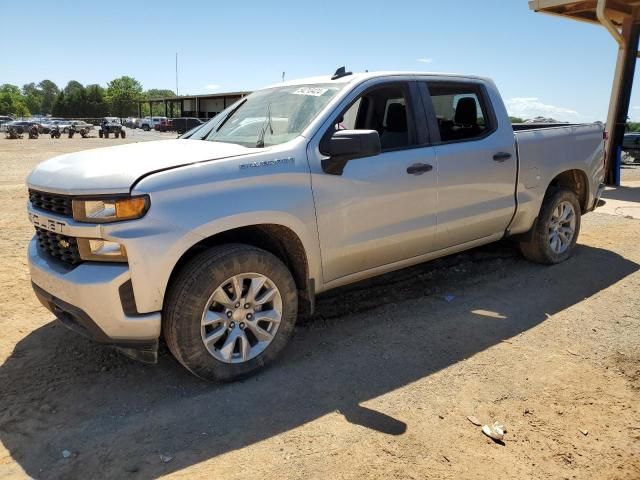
point(361, 76)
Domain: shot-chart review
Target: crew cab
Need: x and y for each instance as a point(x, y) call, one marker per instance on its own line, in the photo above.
point(216, 241)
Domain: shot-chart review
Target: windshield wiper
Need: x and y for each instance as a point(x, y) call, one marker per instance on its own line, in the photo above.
point(265, 125)
point(230, 114)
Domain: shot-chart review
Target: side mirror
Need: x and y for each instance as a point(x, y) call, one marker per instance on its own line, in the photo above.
point(345, 145)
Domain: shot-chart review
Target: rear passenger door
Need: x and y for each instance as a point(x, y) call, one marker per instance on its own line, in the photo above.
point(477, 164)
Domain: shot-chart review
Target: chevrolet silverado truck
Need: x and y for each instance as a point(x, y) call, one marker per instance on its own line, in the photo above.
point(217, 241)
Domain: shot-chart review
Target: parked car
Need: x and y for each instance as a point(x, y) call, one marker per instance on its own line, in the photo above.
point(130, 122)
point(21, 126)
point(219, 239)
point(48, 124)
point(164, 125)
point(80, 124)
point(631, 142)
point(5, 119)
point(149, 123)
point(184, 124)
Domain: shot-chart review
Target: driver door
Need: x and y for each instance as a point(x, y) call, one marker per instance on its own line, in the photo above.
point(382, 209)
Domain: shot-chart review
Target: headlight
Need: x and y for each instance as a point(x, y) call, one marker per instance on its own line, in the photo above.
point(104, 210)
point(98, 250)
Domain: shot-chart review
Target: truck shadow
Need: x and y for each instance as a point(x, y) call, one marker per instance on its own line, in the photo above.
point(116, 417)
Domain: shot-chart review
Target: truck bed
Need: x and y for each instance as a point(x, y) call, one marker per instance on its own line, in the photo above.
point(546, 150)
point(518, 127)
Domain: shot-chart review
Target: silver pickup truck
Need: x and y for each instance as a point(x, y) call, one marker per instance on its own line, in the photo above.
point(218, 240)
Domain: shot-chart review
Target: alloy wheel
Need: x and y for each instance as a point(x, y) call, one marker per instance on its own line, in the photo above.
point(562, 227)
point(241, 318)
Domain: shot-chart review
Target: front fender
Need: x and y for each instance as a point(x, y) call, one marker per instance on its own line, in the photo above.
point(192, 203)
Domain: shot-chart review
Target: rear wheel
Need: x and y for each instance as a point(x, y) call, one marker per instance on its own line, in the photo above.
point(554, 236)
point(100, 133)
point(230, 312)
point(122, 134)
point(145, 128)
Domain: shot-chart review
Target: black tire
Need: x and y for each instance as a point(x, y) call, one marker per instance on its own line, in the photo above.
point(106, 134)
point(116, 134)
point(122, 134)
point(189, 293)
point(146, 128)
point(100, 133)
point(538, 248)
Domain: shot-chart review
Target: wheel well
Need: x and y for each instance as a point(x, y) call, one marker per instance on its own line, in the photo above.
point(576, 181)
point(275, 239)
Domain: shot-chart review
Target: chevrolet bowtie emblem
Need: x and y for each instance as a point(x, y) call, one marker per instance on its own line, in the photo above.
point(63, 244)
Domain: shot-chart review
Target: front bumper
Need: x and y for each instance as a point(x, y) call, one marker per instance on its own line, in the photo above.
point(91, 299)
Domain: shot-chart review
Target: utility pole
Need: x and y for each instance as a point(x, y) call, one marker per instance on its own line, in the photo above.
point(283, 76)
point(177, 93)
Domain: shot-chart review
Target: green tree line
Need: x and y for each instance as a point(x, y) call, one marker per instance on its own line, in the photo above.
point(118, 99)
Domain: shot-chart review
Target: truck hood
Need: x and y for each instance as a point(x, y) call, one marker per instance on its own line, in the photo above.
point(116, 169)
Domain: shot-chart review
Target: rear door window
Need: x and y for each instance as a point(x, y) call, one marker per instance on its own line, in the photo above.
point(461, 111)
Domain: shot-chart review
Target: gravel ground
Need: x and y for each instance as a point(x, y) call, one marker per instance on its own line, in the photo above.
point(377, 384)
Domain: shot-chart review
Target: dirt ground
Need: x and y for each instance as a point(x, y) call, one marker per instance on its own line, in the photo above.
point(377, 384)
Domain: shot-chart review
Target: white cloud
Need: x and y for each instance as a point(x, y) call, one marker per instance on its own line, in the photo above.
point(530, 107)
point(635, 108)
point(424, 60)
point(212, 86)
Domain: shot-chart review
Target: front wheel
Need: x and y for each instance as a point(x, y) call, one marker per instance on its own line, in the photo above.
point(230, 311)
point(554, 236)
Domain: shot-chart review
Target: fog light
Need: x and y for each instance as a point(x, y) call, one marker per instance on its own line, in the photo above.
point(98, 250)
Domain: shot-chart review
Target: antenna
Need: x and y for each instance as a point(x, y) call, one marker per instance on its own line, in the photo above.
point(340, 72)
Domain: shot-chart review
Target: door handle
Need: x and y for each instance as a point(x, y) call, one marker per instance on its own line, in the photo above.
point(419, 168)
point(502, 156)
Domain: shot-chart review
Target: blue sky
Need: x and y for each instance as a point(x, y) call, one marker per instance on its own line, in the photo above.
point(542, 64)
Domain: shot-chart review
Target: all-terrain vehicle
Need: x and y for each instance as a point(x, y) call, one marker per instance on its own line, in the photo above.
point(55, 132)
point(33, 132)
point(13, 133)
point(111, 125)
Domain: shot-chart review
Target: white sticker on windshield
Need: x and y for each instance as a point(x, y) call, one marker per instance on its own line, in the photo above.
point(313, 92)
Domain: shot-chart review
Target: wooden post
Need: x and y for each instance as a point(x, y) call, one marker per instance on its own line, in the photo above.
point(620, 98)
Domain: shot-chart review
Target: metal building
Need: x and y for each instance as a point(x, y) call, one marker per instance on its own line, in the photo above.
point(622, 19)
point(201, 106)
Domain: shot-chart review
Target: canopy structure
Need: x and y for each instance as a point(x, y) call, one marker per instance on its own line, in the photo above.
point(622, 19)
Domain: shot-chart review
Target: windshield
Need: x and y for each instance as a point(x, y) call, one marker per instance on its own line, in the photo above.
point(269, 117)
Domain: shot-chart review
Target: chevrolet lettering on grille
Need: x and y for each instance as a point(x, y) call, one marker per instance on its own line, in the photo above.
point(46, 223)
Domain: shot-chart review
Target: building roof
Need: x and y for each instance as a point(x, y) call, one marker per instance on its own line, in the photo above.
point(585, 10)
point(203, 95)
